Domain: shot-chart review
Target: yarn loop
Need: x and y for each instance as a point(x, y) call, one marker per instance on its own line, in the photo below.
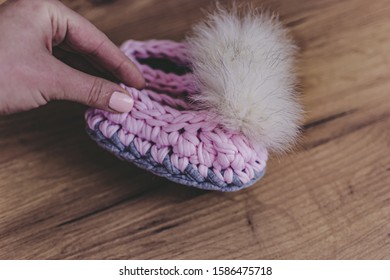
point(166, 134)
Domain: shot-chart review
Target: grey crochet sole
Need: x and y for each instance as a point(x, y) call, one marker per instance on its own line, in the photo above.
point(189, 177)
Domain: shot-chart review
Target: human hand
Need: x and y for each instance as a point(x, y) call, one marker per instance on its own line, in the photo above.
point(43, 47)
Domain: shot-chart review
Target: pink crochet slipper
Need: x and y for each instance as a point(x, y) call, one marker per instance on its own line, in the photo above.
point(212, 107)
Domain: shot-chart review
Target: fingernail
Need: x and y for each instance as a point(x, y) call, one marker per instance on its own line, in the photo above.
point(121, 102)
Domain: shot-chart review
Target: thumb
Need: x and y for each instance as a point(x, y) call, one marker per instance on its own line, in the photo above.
point(73, 85)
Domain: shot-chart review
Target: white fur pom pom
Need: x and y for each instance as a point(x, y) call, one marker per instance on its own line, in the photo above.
point(243, 64)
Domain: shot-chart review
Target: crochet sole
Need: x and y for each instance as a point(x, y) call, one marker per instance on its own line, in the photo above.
point(190, 176)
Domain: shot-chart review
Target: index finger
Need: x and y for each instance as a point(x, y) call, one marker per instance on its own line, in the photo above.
point(83, 37)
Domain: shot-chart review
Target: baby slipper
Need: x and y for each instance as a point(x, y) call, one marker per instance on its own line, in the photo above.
point(214, 105)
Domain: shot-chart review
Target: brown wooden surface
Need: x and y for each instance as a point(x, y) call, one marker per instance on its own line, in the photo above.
point(63, 197)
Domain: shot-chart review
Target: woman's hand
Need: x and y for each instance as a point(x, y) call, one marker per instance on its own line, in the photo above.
point(43, 43)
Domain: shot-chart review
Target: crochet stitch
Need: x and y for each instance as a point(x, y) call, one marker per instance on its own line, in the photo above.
point(166, 134)
point(213, 106)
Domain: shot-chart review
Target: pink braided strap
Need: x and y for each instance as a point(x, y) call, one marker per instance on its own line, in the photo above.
point(166, 134)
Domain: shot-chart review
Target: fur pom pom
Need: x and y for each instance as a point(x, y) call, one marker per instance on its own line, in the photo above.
point(243, 64)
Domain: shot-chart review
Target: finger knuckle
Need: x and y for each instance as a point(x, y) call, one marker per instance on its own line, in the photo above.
point(95, 52)
point(95, 91)
point(118, 68)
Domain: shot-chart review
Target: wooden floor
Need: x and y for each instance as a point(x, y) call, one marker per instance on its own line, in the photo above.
point(61, 197)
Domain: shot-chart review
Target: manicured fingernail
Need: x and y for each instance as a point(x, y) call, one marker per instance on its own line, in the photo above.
point(121, 102)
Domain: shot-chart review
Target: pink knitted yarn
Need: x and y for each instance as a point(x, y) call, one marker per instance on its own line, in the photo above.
point(165, 123)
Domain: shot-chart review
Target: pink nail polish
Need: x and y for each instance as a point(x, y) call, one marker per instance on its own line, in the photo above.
point(120, 102)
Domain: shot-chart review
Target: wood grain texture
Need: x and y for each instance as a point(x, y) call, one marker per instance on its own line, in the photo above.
point(61, 197)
